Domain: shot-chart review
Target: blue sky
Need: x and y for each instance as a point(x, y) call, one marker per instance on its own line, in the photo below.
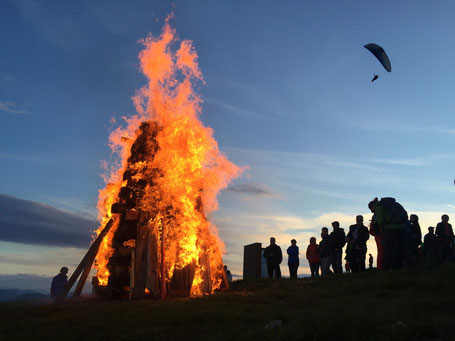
point(287, 92)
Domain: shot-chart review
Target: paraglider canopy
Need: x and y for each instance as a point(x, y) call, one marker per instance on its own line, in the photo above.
point(380, 54)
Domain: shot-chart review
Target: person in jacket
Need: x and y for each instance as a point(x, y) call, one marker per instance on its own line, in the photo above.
point(374, 231)
point(444, 233)
point(228, 274)
point(293, 259)
point(274, 257)
point(431, 246)
point(394, 234)
point(312, 255)
point(357, 240)
point(415, 239)
point(59, 282)
point(325, 253)
point(338, 240)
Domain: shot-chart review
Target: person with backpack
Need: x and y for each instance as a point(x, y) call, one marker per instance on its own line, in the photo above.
point(444, 233)
point(312, 255)
point(338, 240)
point(357, 242)
point(391, 218)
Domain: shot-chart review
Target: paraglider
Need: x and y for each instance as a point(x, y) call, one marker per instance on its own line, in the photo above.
point(380, 54)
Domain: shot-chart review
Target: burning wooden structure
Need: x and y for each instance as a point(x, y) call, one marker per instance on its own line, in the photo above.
point(137, 262)
point(154, 237)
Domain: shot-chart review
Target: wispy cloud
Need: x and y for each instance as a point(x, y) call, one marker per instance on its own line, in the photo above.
point(233, 108)
point(401, 162)
point(13, 108)
point(7, 78)
point(22, 157)
point(391, 125)
point(252, 189)
point(292, 167)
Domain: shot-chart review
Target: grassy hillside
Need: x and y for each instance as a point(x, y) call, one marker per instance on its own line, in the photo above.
point(410, 304)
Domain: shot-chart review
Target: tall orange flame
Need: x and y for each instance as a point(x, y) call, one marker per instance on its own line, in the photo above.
point(192, 169)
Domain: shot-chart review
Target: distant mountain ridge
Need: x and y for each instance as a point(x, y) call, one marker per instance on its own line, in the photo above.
point(21, 295)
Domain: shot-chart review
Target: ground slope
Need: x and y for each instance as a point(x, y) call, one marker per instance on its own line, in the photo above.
point(410, 304)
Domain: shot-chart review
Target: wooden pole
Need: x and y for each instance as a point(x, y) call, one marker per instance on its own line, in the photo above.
point(152, 261)
point(163, 283)
point(208, 273)
point(140, 263)
point(132, 273)
point(88, 259)
point(225, 281)
point(82, 280)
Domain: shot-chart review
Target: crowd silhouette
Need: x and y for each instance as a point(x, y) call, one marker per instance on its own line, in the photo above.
point(398, 239)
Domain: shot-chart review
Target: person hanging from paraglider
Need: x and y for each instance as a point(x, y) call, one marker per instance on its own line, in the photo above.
point(381, 56)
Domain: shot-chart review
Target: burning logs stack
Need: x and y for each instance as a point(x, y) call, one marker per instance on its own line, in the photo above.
point(138, 262)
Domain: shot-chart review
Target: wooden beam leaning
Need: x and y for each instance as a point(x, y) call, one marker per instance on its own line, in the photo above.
point(88, 259)
point(82, 280)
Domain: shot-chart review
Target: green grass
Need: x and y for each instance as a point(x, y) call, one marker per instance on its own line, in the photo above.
point(410, 304)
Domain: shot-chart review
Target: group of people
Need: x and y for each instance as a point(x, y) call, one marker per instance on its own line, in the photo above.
point(398, 239)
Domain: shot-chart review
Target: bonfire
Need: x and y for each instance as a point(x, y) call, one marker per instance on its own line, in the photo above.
point(154, 236)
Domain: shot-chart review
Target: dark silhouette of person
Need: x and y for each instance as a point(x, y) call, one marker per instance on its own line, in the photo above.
point(59, 282)
point(394, 231)
point(444, 233)
point(347, 267)
point(414, 240)
point(293, 259)
point(274, 258)
point(374, 78)
point(357, 241)
point(312, 255)
point(374, 231)
point(337, 240)
point(431, 246)
point(370, 261)
point(228, 274)
point(325, 253)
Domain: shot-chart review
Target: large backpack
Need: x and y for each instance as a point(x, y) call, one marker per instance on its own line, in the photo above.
point(395, 213)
